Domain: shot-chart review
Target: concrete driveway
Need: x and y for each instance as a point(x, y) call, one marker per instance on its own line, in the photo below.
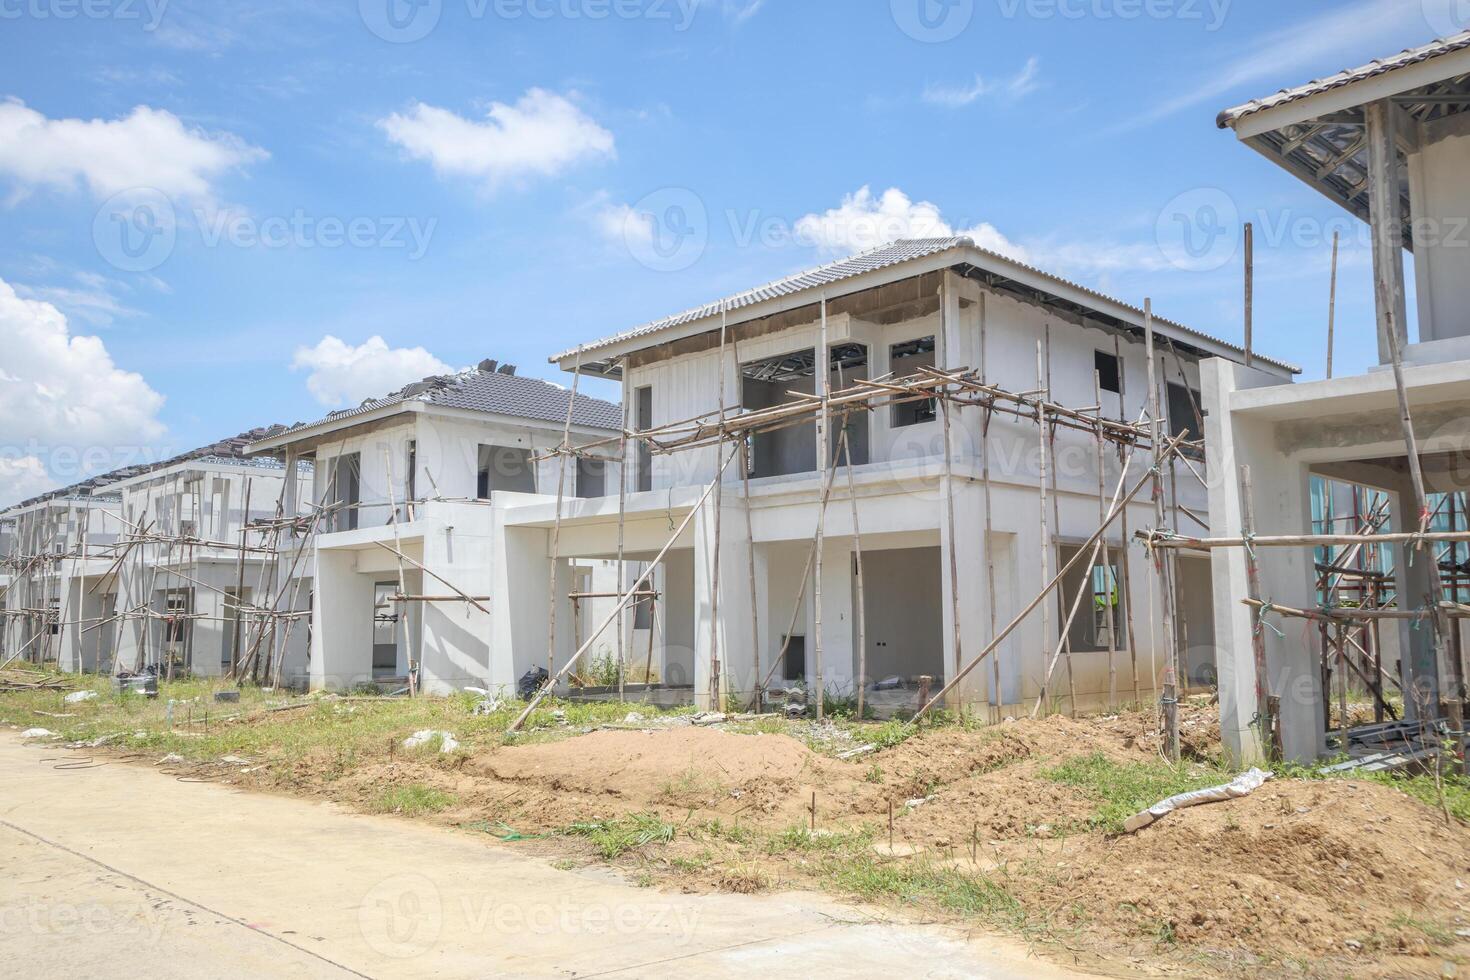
point(120, 870)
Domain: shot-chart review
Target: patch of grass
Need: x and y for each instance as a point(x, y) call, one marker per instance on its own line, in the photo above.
point(692, 782)
point(923, 883)
point(413, 800)
point(1125, 788)
point(887, 735)
point(764, 725)
point(613, 838)
point(1435, 934)
point(797, 839)
point(875, 774)
point(734, 833)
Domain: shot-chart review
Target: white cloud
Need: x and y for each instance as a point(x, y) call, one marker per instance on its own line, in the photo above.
point(865, 221)
point(341, 374)
point(1021, 84)
point(540, 136)
point(620, 224)
point(148, 148)
point(1344, 32)
point(23, 478)
point(61, 392)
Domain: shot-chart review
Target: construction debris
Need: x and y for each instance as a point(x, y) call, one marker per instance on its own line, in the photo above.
point(1243, 785)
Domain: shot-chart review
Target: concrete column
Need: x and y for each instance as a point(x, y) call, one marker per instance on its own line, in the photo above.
point(1419, 669)
point(518, 602)
point(732, 630)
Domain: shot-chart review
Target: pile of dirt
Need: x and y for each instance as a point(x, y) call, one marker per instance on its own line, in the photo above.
point(1304, 870)
point(1350, 877)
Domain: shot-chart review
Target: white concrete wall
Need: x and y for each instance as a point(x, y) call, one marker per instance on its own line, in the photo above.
point(1440, 197)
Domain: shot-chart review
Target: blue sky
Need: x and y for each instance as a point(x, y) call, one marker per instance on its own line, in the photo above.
point(219, 216)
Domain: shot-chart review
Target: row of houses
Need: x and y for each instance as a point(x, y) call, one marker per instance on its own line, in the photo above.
point(472, 528)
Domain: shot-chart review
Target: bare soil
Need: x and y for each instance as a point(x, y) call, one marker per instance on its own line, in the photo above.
point(1303, 878)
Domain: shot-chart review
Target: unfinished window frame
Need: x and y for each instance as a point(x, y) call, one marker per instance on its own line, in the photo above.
point(909, 414)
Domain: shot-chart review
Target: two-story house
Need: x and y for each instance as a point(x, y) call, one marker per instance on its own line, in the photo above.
point(406, 492)
point(890, 312)
point(1389, 142)
point(143, 567)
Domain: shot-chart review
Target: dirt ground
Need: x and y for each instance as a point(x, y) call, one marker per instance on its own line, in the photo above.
point(1303, 878)
point(1014, 825)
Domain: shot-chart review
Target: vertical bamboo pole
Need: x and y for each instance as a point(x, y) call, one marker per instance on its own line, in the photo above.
point(554, 600)
point(755, 623)
point(954, 573)
point(1332, 303)
point(622, 520)
point(239, 576)
point(1110, 580)
point(823, 367)
point(716, 701)
point(1041, 487)
point(997, 695)
point(1171, 678)
point(1056, 513)
point(1258, 633)
point(1250, 293)
point(862, 615)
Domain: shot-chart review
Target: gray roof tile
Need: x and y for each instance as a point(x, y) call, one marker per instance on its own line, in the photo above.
point(496, 393)
point(1379, 66)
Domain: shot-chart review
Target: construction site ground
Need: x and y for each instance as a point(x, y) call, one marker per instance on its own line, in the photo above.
point(1011, 829)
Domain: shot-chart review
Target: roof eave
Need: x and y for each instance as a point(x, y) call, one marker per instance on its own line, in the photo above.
point(316, 430)
point(613, 349)
point(1248, 121)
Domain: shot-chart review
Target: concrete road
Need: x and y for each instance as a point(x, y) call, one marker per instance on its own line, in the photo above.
point(120, 870)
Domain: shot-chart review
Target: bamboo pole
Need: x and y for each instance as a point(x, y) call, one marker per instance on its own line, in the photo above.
point(1268, 722)
point(1250, 293)
point(1332, 304)
point(1041, 485)
point(1171, 677)
point(716, 701)
point(1127, 588)
point(1110, 580)
point(622, 522)
point(823, 375)
point(862, 616)
point(997, 694)
point(561, 481)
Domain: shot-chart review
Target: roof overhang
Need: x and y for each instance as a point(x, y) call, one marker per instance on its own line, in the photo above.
point(1068, 300)
point(1318, 133)
point(307, 439)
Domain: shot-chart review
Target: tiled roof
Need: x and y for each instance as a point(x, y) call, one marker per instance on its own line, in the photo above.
point(882, 257)
point(231, 450)
point(869, 261)
point(493, 391)
point(1381, 66)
